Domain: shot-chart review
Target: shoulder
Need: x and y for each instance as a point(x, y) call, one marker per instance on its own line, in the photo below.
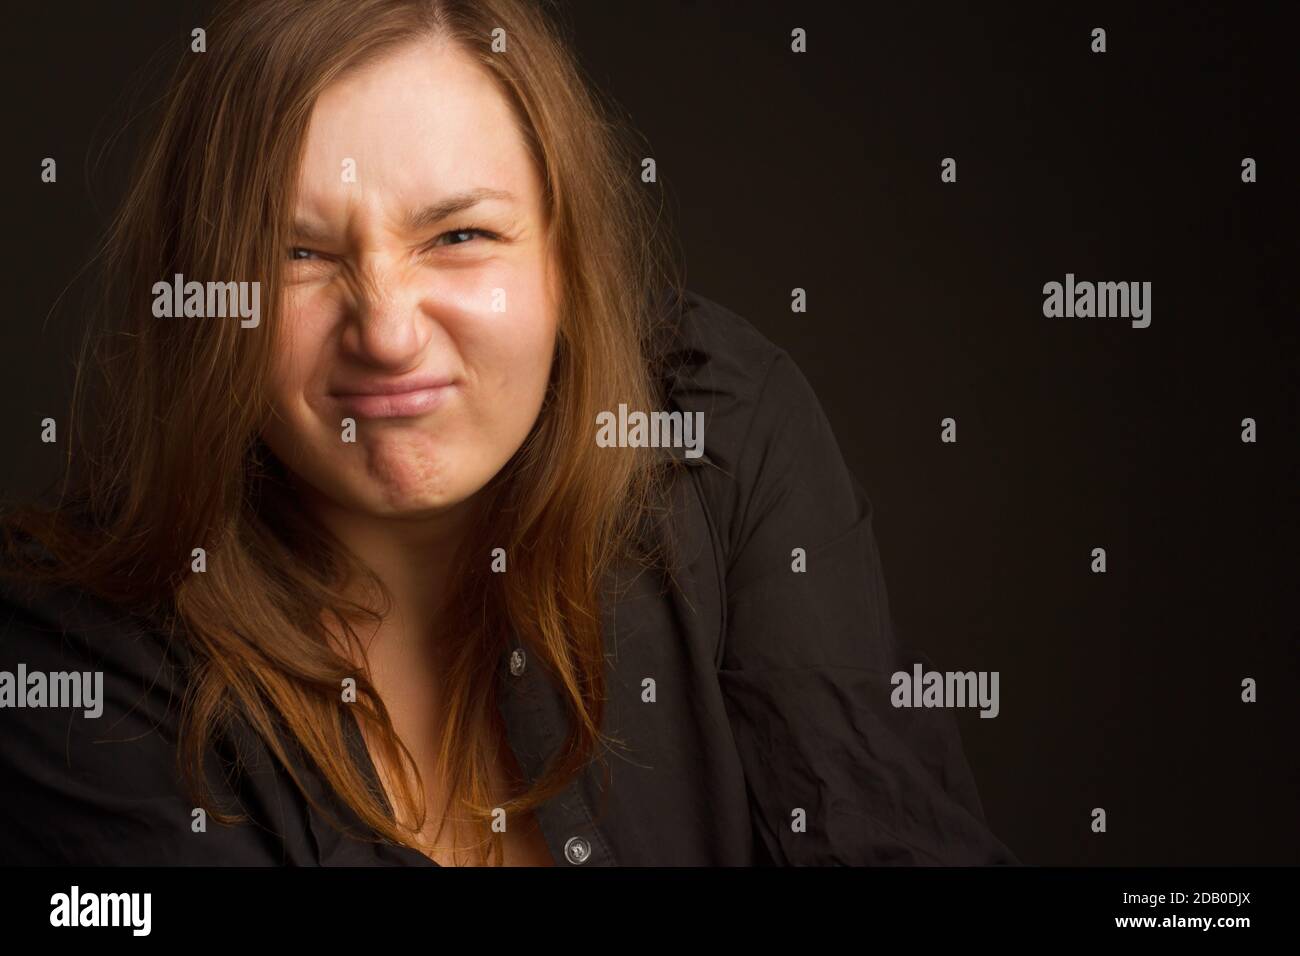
point(771, 458)
point(47, 625)
point(92, 700)
point(717, 362)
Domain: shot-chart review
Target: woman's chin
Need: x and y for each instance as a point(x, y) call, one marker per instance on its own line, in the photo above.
point(413, 500)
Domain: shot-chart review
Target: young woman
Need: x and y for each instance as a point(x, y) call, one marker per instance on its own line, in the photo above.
point(358, 575)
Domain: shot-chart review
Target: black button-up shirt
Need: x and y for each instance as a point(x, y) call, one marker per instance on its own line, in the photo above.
point(770, 736)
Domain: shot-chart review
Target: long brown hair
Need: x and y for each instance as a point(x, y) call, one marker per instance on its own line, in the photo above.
point(166, 455)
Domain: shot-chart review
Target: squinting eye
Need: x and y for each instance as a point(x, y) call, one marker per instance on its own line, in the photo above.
point(468, 231)
point(295, 253)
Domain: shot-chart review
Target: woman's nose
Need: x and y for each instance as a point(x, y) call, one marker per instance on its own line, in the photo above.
point(386, 324)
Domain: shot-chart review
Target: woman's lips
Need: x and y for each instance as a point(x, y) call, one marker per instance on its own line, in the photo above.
point(416, 401)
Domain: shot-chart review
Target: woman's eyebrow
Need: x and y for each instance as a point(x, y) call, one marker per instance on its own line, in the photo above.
point(309, 232)
point(416, 220)
point(419, 219)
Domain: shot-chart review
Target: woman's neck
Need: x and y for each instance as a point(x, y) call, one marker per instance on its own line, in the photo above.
point(414, 558)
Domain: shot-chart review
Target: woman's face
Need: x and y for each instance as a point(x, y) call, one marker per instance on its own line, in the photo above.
point(419, 298)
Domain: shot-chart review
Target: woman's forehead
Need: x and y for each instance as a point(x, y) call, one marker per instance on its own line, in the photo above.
point(408, 131)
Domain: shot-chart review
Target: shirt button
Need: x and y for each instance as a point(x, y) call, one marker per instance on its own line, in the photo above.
point(517, 661)
point(577, 850)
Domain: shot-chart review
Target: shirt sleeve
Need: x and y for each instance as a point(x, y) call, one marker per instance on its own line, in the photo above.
point(836, 774)
point(104, 789)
